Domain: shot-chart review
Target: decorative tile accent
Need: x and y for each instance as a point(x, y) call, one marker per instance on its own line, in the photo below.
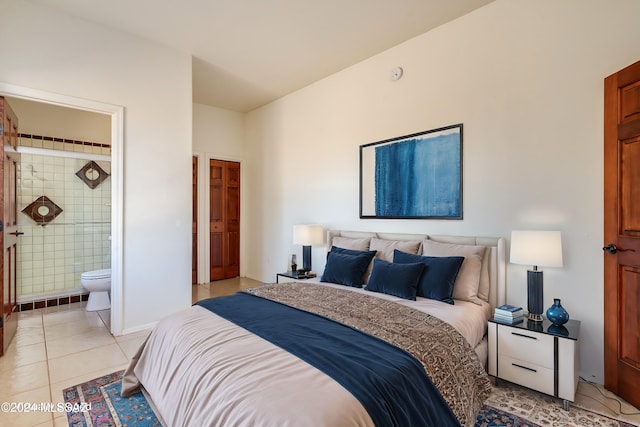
point(70, 142)
point(42, 210)
point(92, 174)
point(52, 302)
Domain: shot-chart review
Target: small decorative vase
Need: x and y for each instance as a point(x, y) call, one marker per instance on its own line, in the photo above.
point(557, 314)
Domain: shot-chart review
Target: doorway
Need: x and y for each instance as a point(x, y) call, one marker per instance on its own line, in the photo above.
point(622, 233)
point(116, 113)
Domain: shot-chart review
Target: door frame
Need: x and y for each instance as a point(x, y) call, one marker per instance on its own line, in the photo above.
point(117, 144)
point(203, 212)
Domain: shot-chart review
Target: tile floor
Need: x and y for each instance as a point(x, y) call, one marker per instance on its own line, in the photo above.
point(58, 347)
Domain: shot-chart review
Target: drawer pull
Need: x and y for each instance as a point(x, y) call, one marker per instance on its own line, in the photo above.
point(525, 336)
point(523, 367)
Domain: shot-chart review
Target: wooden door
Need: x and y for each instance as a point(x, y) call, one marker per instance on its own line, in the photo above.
point(622, 233)
point(224, 219)
point(8, 196)
point(194, 221)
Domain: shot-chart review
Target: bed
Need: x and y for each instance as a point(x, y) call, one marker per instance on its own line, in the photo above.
point(324, 353)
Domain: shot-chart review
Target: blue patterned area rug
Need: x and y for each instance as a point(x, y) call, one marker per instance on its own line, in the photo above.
point(508, 406)
point(107, 407)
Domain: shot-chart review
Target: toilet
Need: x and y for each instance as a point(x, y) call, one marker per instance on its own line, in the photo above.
point(98, 283)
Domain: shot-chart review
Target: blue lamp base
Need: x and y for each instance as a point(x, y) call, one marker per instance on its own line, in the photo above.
point(534, 295)
point(306, 258)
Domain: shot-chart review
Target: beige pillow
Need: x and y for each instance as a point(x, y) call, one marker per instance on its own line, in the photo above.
point(385, 248)
point(485, 283)
point(468, 280)
point(349, 243)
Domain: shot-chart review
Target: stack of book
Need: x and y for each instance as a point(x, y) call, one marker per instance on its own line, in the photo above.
point(508, 314)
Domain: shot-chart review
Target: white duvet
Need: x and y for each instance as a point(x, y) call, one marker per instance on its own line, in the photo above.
point(240, 379)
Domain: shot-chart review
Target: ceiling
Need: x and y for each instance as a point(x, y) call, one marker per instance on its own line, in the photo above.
point(247, 53)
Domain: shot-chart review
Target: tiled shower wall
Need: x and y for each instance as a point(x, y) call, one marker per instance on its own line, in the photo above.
point(51, 257)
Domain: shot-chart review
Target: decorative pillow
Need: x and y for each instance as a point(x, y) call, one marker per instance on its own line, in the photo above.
point(367, 272)
point(340, 250)
point(349, 243)
point(346, 269)
point(400, 280)
point(438, 278)
point(468, 280)
point(385, 247)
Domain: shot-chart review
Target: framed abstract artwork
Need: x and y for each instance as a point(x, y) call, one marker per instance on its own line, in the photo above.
point(416, 176)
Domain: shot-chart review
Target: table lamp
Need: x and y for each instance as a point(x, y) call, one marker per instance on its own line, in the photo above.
point(307, 235)
point(539, 249)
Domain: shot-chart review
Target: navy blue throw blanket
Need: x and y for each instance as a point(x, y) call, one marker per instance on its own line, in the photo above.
point(389, 382)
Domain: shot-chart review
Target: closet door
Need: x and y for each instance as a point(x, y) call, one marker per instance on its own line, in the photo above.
point(224, 219)
point(232, 225)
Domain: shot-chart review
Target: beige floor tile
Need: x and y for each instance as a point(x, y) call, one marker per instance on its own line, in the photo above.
point(133, 335)
point(85, 340)
point(131, 346)
point(24, 378)
point(64, 330)
point(35, 416)
point(30, 318)
point(16, 356)
point(105, 357)
point(64, 307)
point(105, 316)
point(28, 335)
point(78, 316)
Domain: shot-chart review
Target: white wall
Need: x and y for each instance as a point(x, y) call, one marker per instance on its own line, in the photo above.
point(526, 80)
point(217, 134)
point(53, 52)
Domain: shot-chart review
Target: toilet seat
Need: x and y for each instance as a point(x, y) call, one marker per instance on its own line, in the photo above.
point(96, 274)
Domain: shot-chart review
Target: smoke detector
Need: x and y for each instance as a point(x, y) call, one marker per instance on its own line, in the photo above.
point(396, 73)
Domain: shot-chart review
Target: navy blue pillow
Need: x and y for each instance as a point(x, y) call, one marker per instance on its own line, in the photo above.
point(400, 280)
point(340, 250)
point(438, 277)
point(346, 269)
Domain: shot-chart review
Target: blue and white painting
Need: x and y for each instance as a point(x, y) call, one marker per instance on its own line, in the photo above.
point(417, 176)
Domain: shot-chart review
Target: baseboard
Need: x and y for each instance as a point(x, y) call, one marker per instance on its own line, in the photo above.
point(44, 301)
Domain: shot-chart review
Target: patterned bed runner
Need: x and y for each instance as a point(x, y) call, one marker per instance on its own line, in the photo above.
point(447, 357)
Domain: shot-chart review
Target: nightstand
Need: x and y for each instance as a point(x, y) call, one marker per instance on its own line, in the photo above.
point(294, 275)
point(537, 355)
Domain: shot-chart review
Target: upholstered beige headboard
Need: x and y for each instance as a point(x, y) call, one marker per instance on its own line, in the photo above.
point(494, 260)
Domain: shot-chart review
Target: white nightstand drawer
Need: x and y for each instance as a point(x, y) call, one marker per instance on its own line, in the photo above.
point(534, 348)
point(526, 374)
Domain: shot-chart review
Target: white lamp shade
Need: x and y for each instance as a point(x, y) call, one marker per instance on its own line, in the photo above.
point(308, 235)
point(538, 248)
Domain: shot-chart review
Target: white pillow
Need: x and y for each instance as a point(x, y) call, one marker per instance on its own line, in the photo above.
point(468, 280)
